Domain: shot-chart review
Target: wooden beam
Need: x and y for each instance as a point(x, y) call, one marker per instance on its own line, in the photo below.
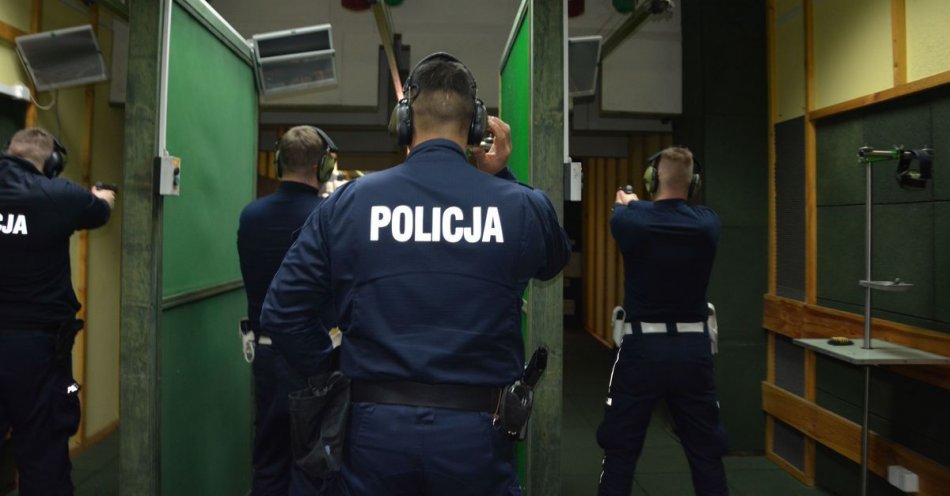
point(844, 437)
point(545, 310)
point(141, 285)
point(82, 286)
point(785, 465)
point(927, 83)
point(811, 161)
point(8, 33)
point(899, 41)
point(385, 29)
point(799, 320)
point(36, 20)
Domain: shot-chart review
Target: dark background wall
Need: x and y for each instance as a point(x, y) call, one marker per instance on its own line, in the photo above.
point(911, 240)
point(725, 122)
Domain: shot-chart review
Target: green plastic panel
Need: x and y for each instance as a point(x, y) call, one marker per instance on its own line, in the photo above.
point(515, 100)
point(515, 109)
point(206, 401)
point(212, 127)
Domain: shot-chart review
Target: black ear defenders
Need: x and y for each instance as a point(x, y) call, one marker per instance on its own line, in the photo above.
point(55, 163)
point(914, 179)
point(327, 162)
point(402, 114)
point(651, 178)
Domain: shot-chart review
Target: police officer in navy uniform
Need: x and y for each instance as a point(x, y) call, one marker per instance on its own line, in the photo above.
point(305, 159)
point(426, 264)
point(668, 248)
point(38, 395)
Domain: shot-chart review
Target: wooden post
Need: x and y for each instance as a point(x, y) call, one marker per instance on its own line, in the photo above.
point(36, 20)
point(899, 41)
point(545, 314)
point(139, 455)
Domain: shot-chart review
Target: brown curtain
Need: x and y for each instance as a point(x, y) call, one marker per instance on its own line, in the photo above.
point(603, 265)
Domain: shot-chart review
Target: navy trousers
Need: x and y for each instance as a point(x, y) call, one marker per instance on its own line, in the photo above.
point(419, 451)
point(679, 369)
point(43, 414)
point(275, 473)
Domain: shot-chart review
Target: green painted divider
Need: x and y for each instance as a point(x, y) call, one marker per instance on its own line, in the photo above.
point(515, 109)
point(205, 384)
point(206, 421)
point(515, 99)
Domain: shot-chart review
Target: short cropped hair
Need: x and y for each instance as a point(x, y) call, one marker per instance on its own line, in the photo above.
point(442, 95)
point(677, 165)
point(33, 144)
point(300, 148)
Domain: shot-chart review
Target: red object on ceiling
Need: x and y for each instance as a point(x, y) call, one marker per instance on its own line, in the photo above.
point(356, 4)
point(575, 8)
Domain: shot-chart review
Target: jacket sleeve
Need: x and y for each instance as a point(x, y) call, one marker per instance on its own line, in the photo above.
point(298, 297)
point(85, 210)
point(624, 226)
point(556, 245)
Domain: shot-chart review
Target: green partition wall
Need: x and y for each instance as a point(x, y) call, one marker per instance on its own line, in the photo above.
point(185, 388)
point(514, 101)
point(531, 102)
point(205, 382)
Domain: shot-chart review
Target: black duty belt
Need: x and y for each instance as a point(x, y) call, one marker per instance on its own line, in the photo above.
point(451, 396)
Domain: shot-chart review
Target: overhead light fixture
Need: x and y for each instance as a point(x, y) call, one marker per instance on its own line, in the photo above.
point(294, 60)
point(62, 58)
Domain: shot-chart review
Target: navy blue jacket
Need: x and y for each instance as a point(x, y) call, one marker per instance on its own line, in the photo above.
point(267, 228)
point(37, 217)
point(668, 249)
point(426, 264)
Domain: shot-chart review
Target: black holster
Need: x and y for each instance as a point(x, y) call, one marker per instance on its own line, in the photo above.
point(514, 406)
point(318, 419)
point(514, 410)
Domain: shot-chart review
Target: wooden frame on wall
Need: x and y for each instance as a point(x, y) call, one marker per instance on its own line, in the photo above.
point(801, 319)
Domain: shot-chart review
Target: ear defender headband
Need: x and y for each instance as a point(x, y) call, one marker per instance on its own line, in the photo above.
point(402, 114)
point(914, 179)
point(651, 177)
point(327, 162)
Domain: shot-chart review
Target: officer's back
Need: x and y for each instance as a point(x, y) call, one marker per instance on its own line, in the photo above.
point(426, 264)
point(432, 265)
